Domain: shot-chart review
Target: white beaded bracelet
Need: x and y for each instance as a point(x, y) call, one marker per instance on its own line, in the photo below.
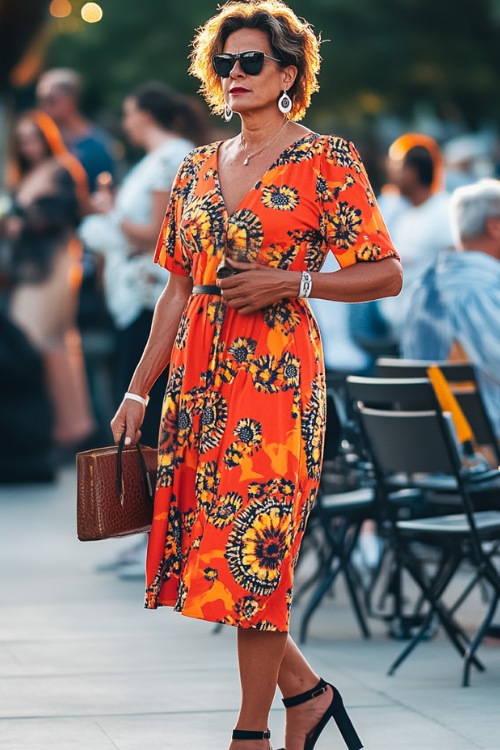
point(135, 397)
point(306, 284)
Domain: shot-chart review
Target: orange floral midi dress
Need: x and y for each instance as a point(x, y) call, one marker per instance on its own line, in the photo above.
point(241, 435)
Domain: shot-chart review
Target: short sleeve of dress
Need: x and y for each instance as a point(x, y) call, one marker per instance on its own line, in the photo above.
point(350, 219)
point(171, 252)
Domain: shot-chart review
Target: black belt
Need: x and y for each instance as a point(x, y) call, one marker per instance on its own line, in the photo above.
point(206, 289)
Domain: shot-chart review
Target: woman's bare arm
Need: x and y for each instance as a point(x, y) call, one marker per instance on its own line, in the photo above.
point(260, 286)
point(155, 357)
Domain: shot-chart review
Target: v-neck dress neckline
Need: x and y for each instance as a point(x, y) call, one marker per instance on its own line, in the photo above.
point(261, 179)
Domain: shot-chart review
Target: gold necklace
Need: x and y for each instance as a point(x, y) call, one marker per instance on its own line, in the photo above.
point(262, 148)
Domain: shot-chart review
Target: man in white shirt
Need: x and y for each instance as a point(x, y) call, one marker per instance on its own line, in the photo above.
point(417, 215)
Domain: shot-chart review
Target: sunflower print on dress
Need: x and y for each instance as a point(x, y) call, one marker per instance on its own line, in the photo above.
point(289, 369)
point(168, 456)
point(280, 197)
point(248, 433)
point(207, 483)
point(180, 340)
point(244, 236)
point(171, 561)
point(247, 608)
point(313, 430)
point(341, 154)
point(213, 421)
point(346, 224)
point(257, 544)
point(265, 374)
point(281, 257)
point(312, 243)
point(225, 509)
point(282, 317)
point(369, 252)
point(236, 357)
point(243, 417)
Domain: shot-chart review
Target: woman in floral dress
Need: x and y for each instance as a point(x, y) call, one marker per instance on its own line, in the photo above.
point(241, 438)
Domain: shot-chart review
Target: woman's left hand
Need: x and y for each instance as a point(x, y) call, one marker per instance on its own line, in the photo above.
point(258, 287)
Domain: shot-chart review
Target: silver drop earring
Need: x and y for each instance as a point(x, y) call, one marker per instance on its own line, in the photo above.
point(284, 103)
point(228, 112)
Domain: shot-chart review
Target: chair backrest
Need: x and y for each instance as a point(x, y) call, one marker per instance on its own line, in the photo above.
point(412, 394)
point(454, 372)
point(462, 379)
point(413, 442)
point(418, 442)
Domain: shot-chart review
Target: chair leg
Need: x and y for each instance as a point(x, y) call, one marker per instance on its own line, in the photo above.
point(488, 572)
point(345, 552)
point(444, 575)
point(382, 573)
point(350, 531)
point(355, 601)
point(321, 568)
point(411, 644)
point(453, 630)
point(465, 593)
point(316, 599)
point(474, 645)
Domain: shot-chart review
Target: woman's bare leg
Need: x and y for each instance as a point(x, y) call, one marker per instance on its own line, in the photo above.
point(296, 676)
point(259, 656)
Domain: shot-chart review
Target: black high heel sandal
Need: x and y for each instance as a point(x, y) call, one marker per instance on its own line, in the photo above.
point(242, 734)
point(335, 711)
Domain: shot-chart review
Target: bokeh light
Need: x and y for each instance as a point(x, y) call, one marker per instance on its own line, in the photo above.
point(91, 12)
point(60, 8)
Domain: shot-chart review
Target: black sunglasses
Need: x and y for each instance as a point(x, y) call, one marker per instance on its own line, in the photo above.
point(251, 63)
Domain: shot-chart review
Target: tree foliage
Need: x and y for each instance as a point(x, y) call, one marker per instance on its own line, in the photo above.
point(381, 57)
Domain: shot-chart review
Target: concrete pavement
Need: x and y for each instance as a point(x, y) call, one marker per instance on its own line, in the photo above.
point(84, 666)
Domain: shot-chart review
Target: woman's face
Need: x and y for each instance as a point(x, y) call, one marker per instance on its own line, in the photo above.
point(134, 121)
point(30, 142)
point(246, 93)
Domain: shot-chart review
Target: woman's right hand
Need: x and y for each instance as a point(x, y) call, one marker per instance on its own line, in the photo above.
point(128, 419)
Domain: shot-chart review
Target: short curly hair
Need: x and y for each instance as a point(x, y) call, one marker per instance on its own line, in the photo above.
point(291, 38)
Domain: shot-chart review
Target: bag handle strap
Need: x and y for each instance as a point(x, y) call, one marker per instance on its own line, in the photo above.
point(119, 471)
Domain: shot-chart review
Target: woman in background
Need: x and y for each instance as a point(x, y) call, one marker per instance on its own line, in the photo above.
point(49, 194)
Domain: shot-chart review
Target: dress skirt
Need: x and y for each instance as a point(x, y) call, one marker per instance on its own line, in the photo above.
point(243, 420)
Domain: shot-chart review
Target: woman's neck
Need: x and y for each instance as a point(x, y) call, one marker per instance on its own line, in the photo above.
point(257, 130)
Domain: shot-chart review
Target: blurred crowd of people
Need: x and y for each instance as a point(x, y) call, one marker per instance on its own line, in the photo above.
point(79, 286)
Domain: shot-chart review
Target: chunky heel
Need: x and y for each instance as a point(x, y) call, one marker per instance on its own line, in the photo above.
point(344, 723)
point(336, 711)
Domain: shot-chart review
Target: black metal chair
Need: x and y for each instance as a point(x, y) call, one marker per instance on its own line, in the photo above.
point(334, 527)
point(406, 500)
point(462, 379)
point(422, 442)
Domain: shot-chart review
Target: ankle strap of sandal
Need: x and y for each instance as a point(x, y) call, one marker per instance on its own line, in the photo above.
point(241, 734)
point(296, 700)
